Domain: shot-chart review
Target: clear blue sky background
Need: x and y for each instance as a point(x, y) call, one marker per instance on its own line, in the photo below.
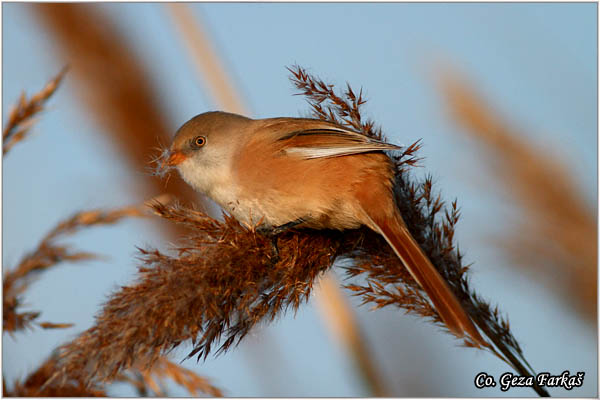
point(537, 63)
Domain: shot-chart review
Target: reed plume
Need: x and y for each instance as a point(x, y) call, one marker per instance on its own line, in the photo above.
point(146, 381)
point(223, 278)
point(143, 377)
point(154, 378)
point(30, 386)
point(48, 254)
point(387, 282)
point(22, 116)
point(219, 283)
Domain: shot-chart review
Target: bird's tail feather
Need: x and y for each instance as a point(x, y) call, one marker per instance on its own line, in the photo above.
point(420, 267)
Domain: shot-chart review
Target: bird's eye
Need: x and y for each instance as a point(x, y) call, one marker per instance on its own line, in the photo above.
point(198, 141)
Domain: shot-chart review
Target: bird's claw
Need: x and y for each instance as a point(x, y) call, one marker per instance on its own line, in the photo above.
point(274, 232)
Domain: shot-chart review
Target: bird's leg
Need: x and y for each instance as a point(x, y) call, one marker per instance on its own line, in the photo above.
point(286, 227)
point(274, 232)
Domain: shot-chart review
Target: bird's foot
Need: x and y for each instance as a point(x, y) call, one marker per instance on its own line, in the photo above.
point(274, 232)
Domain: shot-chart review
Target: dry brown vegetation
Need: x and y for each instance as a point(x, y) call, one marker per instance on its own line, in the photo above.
point(114, 85)
point(21, 117)
point(145, 379)
point(420, 208)
point(48, 254)
point(556, 237)
point(211, 67)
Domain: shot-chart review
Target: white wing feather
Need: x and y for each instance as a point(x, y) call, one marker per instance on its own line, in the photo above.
point(338, 151)
point(347, 141)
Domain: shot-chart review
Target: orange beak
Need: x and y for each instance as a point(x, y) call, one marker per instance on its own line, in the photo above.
point(175, 158)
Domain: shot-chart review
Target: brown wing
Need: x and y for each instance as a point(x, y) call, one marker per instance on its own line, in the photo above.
point(311, 139)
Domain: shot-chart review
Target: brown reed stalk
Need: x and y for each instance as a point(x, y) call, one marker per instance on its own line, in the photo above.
point(206, 59)
point(337, 314)
point(115, 86)
point(223, 279)
point(22, 116)
point(557, 239)
point(341, 321)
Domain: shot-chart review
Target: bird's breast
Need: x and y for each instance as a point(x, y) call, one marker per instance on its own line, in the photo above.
point(243, 208)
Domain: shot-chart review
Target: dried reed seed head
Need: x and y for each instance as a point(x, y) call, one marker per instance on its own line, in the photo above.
point(192, 382)
point(49, 254)
point(21, 117)
point(34, 385)
point(435, 237)
point(221, 283)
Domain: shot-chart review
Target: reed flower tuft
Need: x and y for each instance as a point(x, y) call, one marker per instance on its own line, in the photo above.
point(48, 254)
point(22, 116)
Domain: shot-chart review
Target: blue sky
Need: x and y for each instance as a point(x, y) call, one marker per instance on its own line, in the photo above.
point(536, 63)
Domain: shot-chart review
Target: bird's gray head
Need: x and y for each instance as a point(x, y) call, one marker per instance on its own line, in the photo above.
point(203, 148)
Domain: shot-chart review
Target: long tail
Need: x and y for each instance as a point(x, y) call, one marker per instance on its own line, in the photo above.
point(452, 313)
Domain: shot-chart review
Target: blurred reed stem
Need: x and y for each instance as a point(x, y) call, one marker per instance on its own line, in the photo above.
point(206, 59)
point(557, 239)
point(341, 321)
point(115, 87)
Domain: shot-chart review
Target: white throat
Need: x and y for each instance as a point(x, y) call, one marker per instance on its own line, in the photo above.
point(214, 179)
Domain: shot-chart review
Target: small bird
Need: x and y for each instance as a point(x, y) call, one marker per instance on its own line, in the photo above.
point(285, 172)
